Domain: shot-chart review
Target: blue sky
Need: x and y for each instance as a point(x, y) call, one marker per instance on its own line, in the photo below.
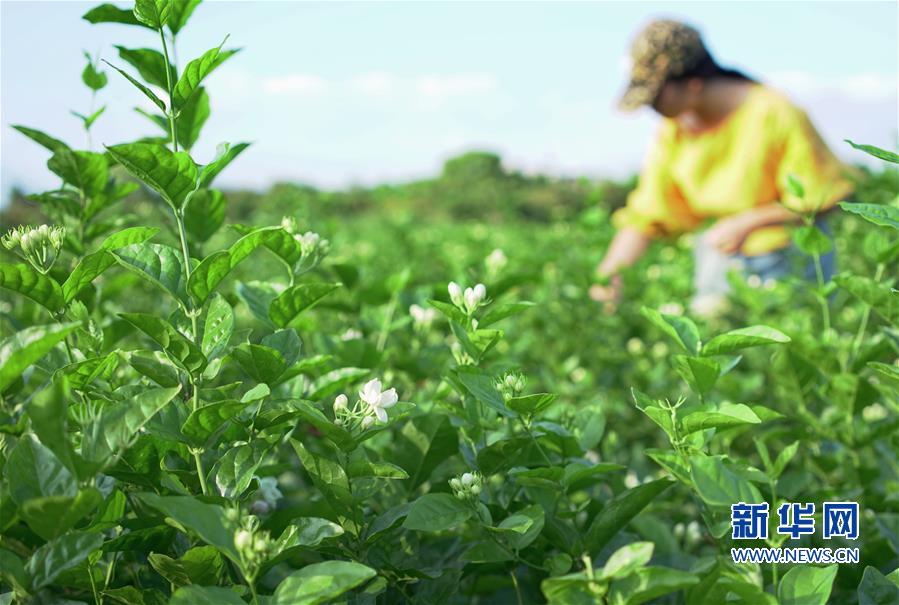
point(335, 93)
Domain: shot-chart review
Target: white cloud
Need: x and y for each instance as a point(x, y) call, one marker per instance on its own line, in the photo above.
point(439, 87)
point(375, 83)
point(294, 84)
point(860, 87)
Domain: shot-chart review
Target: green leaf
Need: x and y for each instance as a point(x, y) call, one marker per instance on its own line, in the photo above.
point(448, 310)
point(281, 243)
point(681, 329)
point(619, 511)
point(204, 421)
point(263, 364)
point(422, 444)
point(204, 214)
point(225, 156)
point(794, 186)
point(119, 423)
point(307, 531)
point(158, 264)
point(196, 71)
point(42, 139)
point(156, 366)
point(215, 267)
point(334, 381)
point(724, 415)
point(93, 79)
point(150, 64)
point(806, 585)
point(108, 13)
point(436, 512)
point(181, 12)
point(205, 595)
point(87, 270)
point(172, 175)
point(743, 338)
point(48, 411)
point(338, 435)
point(191, 118)
point(330, 478)
point(876, 295)
point(40, 288)
point(138, 85)
point(152, 13)
point(51, 516)
point(812, 241)
point(234, 471)
point(85, 170)
point(28, 346)
point(202, 565)
point(179, 349)
point(627, 560)
point(39, 473)
point(879, 214)
point(12, 571)
point(217, 327)
point(719, 486)
point(321, 582)
point(700, 373)
point(128, 237)
point(877, 152)
point(500, 312)
point(530, 405)
point(208, 521)
point(876, 589)
point(61, 554)
point(89, 120)
point(291, 303)
point(481, 386)
point(648, 583)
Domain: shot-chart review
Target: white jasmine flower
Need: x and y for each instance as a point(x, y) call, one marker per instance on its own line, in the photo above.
point(367, 422)
point(243, 539)
point(340, 403)
point(474, 296)
point(268, 490)
point(377, 400)
point(455, 293)
point(467, 479)
point(421, 316)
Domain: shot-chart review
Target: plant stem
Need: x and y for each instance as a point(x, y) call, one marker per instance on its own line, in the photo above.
point(527, 429)
point(825, 306)
point(517, 588)
point(168, 78)
point(860, 334)
point(201, 473)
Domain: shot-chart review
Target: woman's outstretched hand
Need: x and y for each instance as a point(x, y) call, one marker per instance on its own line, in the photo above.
point(609, 295)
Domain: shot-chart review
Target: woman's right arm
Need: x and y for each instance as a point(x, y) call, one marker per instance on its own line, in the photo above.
point(626, 248)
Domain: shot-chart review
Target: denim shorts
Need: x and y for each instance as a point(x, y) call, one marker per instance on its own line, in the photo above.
point(711, 266)
point(790, 261)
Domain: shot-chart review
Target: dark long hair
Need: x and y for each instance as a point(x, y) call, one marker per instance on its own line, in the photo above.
point(709, 69)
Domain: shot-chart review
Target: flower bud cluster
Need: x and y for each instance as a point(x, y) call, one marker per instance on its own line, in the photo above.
point(371, 406)
point(253, 545)
point(422, 318)
point(313, 247)
point(511, 384)
point(690, 533)
point(467, 485)
point(38, 245)
point(469, 299)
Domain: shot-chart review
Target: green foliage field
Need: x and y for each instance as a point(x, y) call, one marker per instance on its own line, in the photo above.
point(405, 394)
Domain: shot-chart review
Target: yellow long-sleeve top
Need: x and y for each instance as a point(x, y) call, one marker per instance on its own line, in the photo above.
point(741, 163)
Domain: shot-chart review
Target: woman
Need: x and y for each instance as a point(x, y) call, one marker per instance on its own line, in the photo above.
point(722, 155)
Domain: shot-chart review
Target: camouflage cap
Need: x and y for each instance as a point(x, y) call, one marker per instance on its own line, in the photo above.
point(661, 50)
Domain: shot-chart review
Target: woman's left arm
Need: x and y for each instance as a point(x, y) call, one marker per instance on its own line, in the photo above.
point(729, 233)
